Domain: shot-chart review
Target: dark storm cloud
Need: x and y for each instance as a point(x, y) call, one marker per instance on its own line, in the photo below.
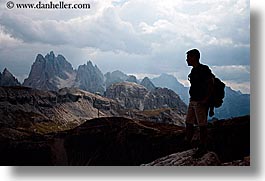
point(141, 37)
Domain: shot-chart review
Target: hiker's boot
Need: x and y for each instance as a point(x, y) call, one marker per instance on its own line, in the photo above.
point(203, 142)
point(189, 136)
point(202, 150)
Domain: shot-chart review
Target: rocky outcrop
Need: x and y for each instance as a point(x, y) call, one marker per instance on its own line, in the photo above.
point(66, 108)
point(44, 111)
point(243, 162)
point(164, 98)
point(185, 159)
point(50, 73)
point(135, 96)
point(129, 95)
point(8, 79)
point(146, 82)
point(159, 105)
point(90, 78)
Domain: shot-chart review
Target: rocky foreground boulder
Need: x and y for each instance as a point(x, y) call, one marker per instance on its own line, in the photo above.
point(185, 158)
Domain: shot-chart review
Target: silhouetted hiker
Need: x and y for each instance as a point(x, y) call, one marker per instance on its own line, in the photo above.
point(201, 88)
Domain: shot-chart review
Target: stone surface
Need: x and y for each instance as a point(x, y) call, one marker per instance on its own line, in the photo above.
point(135, 96)
point(185, 159)
point(46, 111)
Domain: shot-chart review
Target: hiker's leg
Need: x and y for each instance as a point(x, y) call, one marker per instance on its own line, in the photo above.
point(190, 120)
point(203, 143)
point(189, 132)
point(201, 112)
point(203, 137)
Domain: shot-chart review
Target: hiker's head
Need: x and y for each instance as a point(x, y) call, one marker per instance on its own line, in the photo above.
point(193, 57)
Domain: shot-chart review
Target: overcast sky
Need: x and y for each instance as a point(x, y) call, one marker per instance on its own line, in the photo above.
point(138, 37)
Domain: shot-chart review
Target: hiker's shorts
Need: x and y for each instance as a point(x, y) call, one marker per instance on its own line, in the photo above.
point(197, 113)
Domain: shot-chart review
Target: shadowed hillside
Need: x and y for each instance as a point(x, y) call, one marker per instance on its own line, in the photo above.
point(118, 141)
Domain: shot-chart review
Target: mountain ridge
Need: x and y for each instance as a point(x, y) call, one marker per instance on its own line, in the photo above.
point(55, 72)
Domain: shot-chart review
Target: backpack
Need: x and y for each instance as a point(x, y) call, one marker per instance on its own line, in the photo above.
point(218, 95)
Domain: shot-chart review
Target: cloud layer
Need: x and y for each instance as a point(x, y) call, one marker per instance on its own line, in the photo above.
point(135, 36)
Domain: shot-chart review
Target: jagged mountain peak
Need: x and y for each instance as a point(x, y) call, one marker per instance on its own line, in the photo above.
point(50, 56)
point(54, 72)
point(50, 72)
point(7, 73)
point(40, 58)
point(89, 78)
point(89, 62)
point(146, 82)
point(8, 79)
point(88, 65)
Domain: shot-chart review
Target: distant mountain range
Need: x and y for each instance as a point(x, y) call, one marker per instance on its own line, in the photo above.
point(235, 103)
point(171, 82)
point(52, 72)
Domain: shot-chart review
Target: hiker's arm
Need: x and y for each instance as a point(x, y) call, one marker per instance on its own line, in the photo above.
point(210, 87)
